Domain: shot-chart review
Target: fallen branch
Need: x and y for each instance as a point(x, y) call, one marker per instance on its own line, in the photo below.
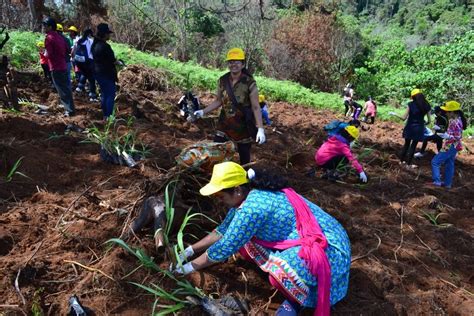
point(401, 233)
point(267, 305)
point(17, 287)
point(457, 287)
point(90, 269)
point(370, 251)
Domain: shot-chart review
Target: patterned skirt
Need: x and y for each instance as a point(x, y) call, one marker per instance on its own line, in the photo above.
point(290, 271)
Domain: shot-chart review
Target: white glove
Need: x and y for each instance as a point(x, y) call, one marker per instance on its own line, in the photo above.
point(260, 139)
point(184, 269)
point(199, 114)
point(436, 127)
point(188, 252)
point(363, 177)
point(444, 135)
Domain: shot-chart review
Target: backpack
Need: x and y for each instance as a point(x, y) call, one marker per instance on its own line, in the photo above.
point(81, 55)
point(335, 127)
point(204, 155)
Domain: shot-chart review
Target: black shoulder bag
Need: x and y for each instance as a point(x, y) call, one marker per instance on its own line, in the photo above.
point(246, 110)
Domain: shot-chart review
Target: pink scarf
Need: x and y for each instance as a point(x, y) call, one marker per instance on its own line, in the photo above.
point(313, 243)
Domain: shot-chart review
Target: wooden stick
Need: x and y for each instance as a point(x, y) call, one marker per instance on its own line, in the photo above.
point(370, 251)
point(401, 238)
point(90, 269)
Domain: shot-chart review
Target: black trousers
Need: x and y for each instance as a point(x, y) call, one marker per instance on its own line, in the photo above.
point(408, 150)
point(243, 149)
point(334, 162)
point(46, 72)
point(433, 138)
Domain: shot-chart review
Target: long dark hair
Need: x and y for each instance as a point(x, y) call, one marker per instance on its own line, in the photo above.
point(463, 118)
point(422, 103)
point(85, 35)
point(264, 180)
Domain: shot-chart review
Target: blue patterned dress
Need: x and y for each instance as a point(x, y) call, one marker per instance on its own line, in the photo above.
point(269, 216)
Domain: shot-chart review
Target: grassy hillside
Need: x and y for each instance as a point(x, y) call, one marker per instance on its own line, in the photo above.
point(23, 53)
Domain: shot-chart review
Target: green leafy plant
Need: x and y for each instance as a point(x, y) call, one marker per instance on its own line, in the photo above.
point(168, 301)
point(114, 141)
point(14, 170)
point(434, 219)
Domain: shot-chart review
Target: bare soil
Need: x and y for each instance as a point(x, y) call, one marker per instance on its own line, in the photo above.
point(403, 263)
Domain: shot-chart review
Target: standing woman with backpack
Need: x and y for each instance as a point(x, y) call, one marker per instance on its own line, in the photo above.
point(82, 56)
point(414, 129)
point(240, 119)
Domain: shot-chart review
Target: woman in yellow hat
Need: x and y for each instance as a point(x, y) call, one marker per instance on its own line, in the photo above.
point(414, 129)
point(305, 251)
point(451, 145)
point(336, 151)
point(240, 118)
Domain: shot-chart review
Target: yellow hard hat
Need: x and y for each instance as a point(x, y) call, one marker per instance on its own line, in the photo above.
point(59, 27)
point(353, 131)
point(450, 106)
point(40, 44)
point(73, 28)
point(261, 98)
point(225, 175)
point(415, 92)
point(235, 54)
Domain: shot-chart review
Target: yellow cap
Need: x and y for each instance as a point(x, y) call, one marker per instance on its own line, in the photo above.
point(40, 44)
point(59, 27)
point(353, 131)
point(73, 28)
point(415, 92)
point(225, 175)
point(235, 54)
point(261, 98)
point(451, 106)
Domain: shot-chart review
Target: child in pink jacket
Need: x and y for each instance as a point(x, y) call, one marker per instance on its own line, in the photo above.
point(370, 108)
point(336, 151)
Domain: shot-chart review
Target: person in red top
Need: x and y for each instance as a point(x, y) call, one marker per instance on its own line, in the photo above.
point(44, 61)
point(336, 151)
point(56, 51)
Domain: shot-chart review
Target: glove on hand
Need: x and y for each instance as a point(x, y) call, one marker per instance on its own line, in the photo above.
point(363, 177)
point(184, 269)
point(260, 139)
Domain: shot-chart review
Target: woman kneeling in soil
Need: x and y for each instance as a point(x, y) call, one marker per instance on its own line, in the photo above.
point(305, 251)
point(336, 152)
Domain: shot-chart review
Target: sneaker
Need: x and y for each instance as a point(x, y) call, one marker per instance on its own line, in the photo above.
point(433, 184)
point(93, 100)
point(419, 155)
point(411, 166)
point(68, 114)
point(79, 90)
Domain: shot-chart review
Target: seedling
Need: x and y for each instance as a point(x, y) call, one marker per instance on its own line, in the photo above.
point(14, 170)
point(434, 219)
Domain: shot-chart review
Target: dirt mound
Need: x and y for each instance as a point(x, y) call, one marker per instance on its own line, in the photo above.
point(411, 244)
point(139, 77)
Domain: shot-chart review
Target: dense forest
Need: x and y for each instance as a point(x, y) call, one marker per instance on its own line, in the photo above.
point(385, 47)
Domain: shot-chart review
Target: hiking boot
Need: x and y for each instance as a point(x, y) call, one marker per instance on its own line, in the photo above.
point(331, 175)
point(419, 155)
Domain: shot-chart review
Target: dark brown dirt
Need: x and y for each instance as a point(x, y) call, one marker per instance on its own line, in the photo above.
point(403, 264)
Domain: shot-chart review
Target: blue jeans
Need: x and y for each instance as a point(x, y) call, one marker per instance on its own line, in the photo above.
point(60, 81)
point(107, 94)
point(447, 158)
point(68, 70)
